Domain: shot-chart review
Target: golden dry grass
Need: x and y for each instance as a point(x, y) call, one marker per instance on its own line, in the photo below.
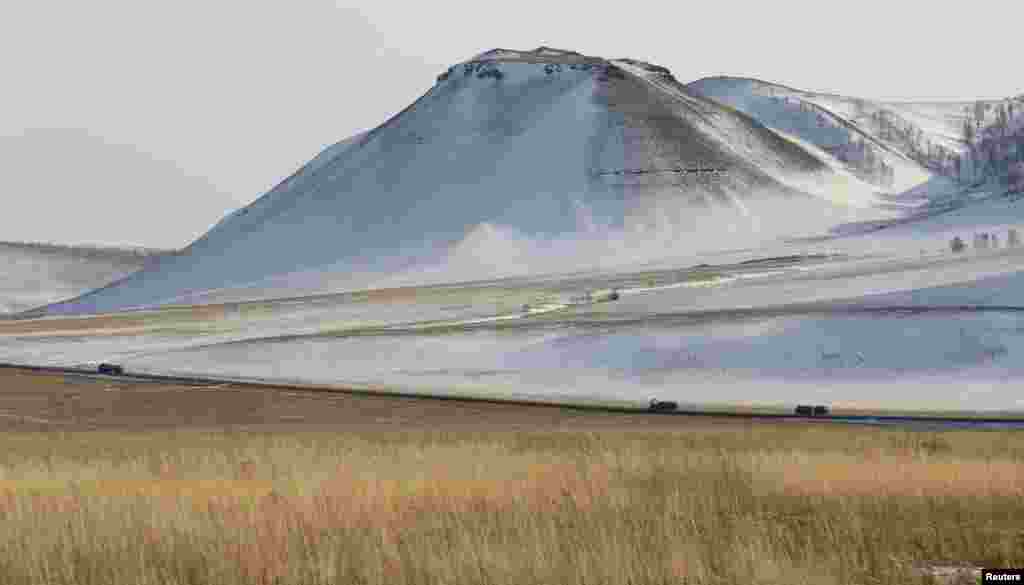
point(725, 503)
point(898, 474)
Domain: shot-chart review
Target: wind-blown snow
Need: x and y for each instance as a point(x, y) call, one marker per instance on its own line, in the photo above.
point(690, 342)
point(519, 143)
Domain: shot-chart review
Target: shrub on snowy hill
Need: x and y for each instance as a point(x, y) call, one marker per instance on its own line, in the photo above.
point(995, 144)
point(495, 73)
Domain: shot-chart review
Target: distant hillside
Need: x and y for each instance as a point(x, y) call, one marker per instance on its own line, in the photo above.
point(34, 274)
point(894, 145)
point(90, 251)
point(850, 131)
point(994, 138)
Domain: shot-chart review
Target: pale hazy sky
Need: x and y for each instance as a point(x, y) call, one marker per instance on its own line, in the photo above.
point(141, 122)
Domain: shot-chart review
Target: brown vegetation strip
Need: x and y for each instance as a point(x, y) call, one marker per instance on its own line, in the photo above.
point(43, 400)
point(71, 325)
point(904, 475)
point(98, 324)
point(493, 502)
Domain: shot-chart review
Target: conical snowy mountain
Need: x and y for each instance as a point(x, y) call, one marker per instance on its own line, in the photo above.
point(545, 144)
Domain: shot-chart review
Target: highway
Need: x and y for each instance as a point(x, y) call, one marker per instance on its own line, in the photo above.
point(922, 421)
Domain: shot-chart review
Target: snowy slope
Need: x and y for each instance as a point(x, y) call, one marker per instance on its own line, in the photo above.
point(636, 348)
point(942, 122)
point(839, 126)
point(36, 274)
point(547, 144)
point(730, 340)
point(916, 150)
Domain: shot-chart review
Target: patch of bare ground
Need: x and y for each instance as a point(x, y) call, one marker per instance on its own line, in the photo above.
point(117, 323)
point(70, 325)
point(42, 400)
point(384, 490)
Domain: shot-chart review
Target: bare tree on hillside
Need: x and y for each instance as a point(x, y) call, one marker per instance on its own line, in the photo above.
point(968, 131)
point(979, 112)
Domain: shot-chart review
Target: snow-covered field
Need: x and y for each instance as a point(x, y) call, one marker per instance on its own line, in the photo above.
point(948, 362)
point(797, 277)
point(34, 275)
point(768, 333)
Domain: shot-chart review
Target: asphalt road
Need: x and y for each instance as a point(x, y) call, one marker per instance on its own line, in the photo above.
point(923, 421)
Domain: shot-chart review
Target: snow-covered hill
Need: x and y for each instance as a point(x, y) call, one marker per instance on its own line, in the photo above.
point(909, 148)
point(858, 134)
point(575, 155)
point(34, 274)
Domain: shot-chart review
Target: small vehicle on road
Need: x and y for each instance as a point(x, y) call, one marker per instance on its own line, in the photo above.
point(662, 405)
point(110, 369)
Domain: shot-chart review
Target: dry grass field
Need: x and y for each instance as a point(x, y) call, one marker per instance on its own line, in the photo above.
point(180, 485)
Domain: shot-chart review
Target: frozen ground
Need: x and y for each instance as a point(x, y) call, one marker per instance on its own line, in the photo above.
point(833, 330)
point(943, 361)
